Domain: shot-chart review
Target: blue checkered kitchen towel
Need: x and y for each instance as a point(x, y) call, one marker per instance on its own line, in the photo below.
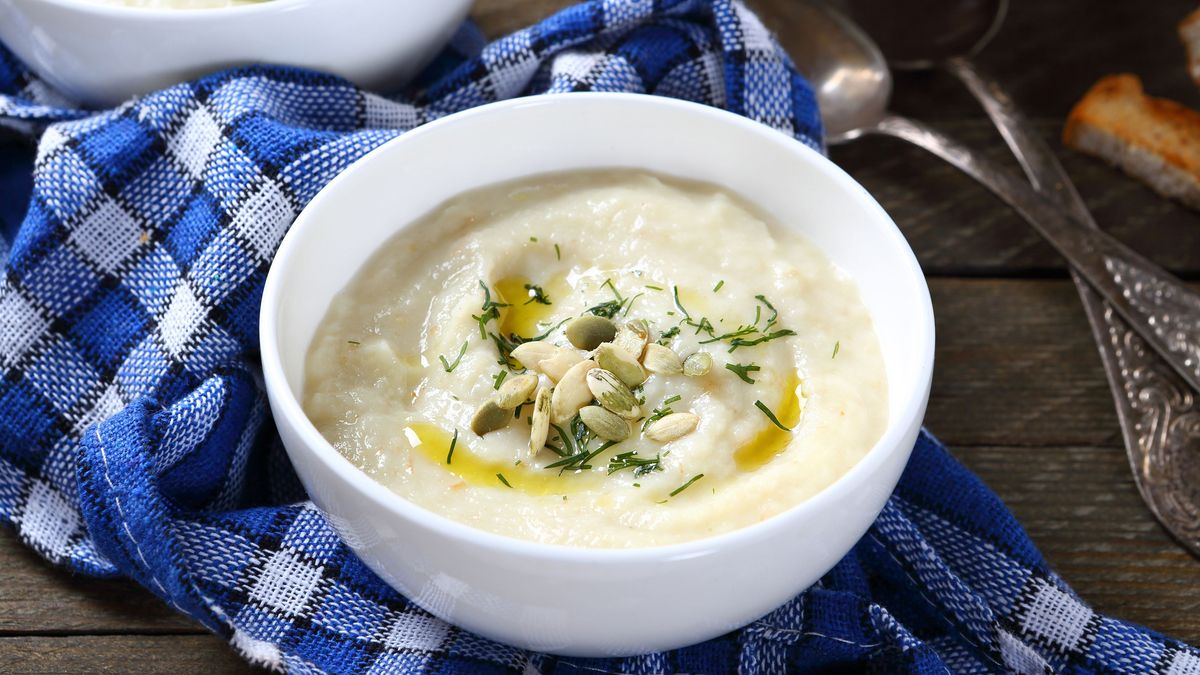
point(134, 434)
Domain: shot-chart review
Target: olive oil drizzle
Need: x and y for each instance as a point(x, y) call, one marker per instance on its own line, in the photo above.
point(433, 443)
point(771, 440)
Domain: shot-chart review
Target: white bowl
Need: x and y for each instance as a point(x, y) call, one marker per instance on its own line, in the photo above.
point(102, 54)
point(576, 601)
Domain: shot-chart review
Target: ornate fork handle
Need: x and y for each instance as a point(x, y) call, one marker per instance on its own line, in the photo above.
point(1159, 413)
point(1159, 307)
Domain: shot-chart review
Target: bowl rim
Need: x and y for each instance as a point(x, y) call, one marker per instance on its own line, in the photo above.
point(287, 404)
point(170, 14)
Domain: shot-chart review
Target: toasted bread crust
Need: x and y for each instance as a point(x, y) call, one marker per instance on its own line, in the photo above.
point(1152, 139)
point(1189, 34)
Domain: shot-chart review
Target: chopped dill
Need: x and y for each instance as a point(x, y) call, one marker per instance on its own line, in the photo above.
point(718, 286)
point(575, 452)
point(505, 345)
point(629, 304)
point(533, 239)
point(453, 442)
point(774, 312)
point(630, 460)
point(675, 291)
point(558, 254)
point(503, 480)
point(353, 342)
point(499, 379)
point(611, 308)
point(837, 347)
point(686, 485)
point(743, 371)
point(670, 333)
point(449, 367)
point(740, 342)
point(653, 287)
point(746, 335)
point(537, 295)
point(605, 309)
point(770, 415)
point(490, 311)
point(661, 411)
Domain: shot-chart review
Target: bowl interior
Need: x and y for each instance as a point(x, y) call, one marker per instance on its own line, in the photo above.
point(402, 181)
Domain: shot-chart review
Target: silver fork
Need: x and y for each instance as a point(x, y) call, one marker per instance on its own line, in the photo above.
point(1159, 413)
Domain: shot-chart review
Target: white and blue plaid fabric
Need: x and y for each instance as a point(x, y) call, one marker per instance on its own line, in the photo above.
point(134, 434)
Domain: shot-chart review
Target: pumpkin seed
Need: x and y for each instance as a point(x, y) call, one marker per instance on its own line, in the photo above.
point(556, 366)
point(540, 427)
point(515, 391)
point(697, 364)
point(620, 363)
point(633, 336)
point(604, 424)
point(662, 360)
point(611, 393)
point(671, 427)
point(529, 354)
point(490, 417)
point(590, 331)
point(571, 393)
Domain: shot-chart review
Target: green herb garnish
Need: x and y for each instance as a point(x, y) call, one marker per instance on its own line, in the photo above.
point(533, 239)
point(499, 379)
point(539, 296)
point(746, 335)
point(611, 308)
point(557, 252)
point(743, 371)
point(666, 336)
point(770, 415)
point(675, 292)
point(575, 452)
point(718, 286)
point(505, 345)
point(630, 460)
point(686, 485)
point(741, 342)
point(774, 312)
point(661, 411)
point(489, 311)
point(503, 480)
point(449, 367)
point(353, 342)
point(629, 304)
point(837, 347)
point(654, 288)
point(453, 442)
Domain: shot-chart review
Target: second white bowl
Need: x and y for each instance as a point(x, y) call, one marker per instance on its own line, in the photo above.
point(100, 54)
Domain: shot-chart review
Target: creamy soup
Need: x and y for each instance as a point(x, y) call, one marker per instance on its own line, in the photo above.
point(601, 359)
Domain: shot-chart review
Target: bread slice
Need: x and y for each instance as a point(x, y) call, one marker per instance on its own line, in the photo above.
point(1189, 33)
point(1152, 139)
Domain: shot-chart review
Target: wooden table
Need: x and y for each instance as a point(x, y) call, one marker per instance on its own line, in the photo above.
point(1018, 392)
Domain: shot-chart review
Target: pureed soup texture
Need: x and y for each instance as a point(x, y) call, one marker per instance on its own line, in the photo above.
point(603, 359)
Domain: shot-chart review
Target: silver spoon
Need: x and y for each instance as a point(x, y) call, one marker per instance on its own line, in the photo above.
point(1156, 408)
point(853, 85)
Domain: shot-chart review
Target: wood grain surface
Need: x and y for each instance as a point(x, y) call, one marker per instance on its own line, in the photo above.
point(1019, 394)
